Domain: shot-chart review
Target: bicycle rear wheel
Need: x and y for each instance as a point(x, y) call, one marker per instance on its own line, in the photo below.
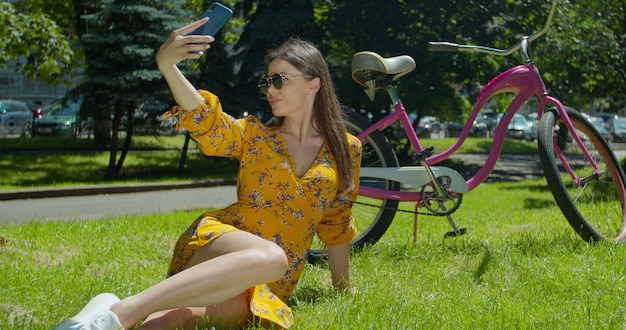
point(594, 206)
point(372, 217)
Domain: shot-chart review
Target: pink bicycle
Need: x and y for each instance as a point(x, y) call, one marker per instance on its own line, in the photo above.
point(582, 172)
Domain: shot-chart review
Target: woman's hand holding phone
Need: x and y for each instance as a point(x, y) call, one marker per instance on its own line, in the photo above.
point(191, 41)
point(218, 15)
point(181, 45)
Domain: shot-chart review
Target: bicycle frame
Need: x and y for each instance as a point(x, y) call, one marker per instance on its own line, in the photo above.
point(591, 199)
point(523, 80)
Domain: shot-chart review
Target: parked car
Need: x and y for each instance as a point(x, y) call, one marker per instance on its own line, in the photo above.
point(606, 117)
point(600, 124)
point(15, 118)
point(60, 119)
point(453, 128)
point(533, 120)
point(485, 123)
point(519, 128)
point(617, 129)
point(427, 126)
point(149, 119)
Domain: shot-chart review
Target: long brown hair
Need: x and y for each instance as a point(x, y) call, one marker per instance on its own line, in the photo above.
point(327, 114)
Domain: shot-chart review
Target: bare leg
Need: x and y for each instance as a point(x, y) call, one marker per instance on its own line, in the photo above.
point(221, 270)
point(232, 314)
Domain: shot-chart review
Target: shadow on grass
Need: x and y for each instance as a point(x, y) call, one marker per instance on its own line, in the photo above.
point(308, 294)
point(31, 170)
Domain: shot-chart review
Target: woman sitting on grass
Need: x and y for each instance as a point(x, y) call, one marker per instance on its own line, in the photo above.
point(296, 179)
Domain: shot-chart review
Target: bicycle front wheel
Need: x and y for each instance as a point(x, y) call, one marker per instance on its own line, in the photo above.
point(592, 204)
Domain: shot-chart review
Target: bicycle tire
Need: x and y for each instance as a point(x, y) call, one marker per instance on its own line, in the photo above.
point(377, 152)
point(372, 216)
point(595, 208)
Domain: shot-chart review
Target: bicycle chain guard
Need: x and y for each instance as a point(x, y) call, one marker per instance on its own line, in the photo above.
point(428, 197)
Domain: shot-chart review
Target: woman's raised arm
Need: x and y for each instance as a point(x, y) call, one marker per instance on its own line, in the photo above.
point(179, 47)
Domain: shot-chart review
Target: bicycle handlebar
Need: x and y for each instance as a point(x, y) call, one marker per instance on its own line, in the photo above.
point(442, 46)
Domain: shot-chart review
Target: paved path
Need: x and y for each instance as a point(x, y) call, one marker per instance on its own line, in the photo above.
point(511, 167)
point(85, 203)
point(114, 204)
point(95, 202)
point(508, 167)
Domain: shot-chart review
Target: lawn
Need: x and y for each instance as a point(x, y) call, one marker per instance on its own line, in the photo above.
point(66, 161)
point(63, 161)
point(519, 266)
point(53, 170)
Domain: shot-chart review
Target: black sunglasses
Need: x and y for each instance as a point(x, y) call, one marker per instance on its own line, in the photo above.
point(276, 80)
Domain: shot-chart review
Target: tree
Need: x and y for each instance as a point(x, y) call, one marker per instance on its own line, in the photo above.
point(581, 56)
point(400, 27)
point(36, 42)
point(214, 71)
point(585, 54)
point(121, 71)
point(270, 22)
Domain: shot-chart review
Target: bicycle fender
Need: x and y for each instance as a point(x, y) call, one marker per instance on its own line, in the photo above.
point(416, 176)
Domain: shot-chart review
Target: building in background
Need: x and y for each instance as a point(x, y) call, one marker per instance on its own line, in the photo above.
point(14, 86)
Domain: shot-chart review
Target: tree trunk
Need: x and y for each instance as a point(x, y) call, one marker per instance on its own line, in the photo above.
point(111, 169)
point(101, 117)
point(183, 155)
point(130, 128)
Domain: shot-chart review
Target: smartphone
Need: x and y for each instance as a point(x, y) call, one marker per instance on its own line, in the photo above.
point(218, 15)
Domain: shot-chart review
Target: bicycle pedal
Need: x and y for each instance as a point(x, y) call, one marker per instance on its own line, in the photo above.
point(421, 156)
point(316, 257)
point(462, 231)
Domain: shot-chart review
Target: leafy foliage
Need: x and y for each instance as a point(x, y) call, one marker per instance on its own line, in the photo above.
point(122, 74)
point(121, 47)
point(586, 54)
point(580, 57)
point(270, 22)
point(36, 42)
point(441, 81)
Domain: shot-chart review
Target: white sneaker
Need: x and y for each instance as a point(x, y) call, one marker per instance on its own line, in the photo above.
point(96, 315)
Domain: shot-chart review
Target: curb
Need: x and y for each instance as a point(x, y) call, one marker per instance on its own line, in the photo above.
point(75, 191)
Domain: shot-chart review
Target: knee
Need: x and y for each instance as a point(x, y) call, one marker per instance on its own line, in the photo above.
point(272, 261)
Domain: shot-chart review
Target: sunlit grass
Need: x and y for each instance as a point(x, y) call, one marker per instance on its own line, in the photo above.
point(31, 162)
point(70, 143)
point(66, 161)
point(520, 265)
point(46, 170)
point(481, 145)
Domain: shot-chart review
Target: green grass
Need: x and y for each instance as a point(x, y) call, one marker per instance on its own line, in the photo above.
point(33, 164)
point(70, 143)
point(52, 170)
point(482, 145)
point(520, 266)
point(470, 145)
point(66, 161)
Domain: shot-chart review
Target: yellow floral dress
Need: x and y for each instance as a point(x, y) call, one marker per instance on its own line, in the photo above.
point(272, 201)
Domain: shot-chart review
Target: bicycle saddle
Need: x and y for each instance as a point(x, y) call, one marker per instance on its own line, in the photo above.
point(374, 72)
